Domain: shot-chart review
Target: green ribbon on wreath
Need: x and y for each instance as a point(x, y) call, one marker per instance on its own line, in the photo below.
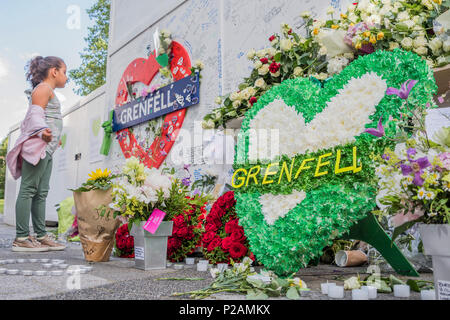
point(107, 127)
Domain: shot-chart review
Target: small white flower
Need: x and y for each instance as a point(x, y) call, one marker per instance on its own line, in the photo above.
point(260, 83)
point(286, 45)
point(330, 10)
point(421, 193)
point(199, 65)
point(352, 283)
point(218, 101)
point(262, 71)
point(298, 71)
point(407, 43)
point(236, 104)
point(446, 45)
point(421, 51)
point(258, 64)
point(306, 14)
point(393, 45)
point(234, 96)
point(251, 54)
point(420, 41)
point(429, 195)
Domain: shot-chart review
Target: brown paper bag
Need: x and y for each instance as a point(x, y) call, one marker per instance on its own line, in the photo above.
point(96, 232)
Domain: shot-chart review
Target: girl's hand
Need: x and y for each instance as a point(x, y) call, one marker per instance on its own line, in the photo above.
point(47, 135)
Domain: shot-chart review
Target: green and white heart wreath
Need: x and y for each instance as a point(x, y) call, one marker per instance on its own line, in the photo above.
point(323, 182)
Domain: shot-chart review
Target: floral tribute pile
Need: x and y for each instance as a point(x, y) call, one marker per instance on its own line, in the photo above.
point(187, 230)
point(124, 242)
point(331, 44)
point(223, 238)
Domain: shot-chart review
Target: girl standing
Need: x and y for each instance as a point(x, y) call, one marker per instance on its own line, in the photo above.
point(33, 161)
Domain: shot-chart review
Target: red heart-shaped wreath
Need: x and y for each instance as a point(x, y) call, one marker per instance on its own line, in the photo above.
point(144, 70)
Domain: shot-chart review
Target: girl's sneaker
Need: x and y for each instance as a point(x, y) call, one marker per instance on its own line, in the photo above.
point(28, 245)
point(51, 243)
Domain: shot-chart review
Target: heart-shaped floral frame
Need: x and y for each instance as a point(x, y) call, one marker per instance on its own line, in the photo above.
point(144, 70)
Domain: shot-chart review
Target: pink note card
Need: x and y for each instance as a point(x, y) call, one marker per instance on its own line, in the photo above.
point(154, 221)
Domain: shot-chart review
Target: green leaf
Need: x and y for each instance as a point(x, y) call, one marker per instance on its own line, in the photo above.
point(277, 57)
point(413, 285)
point(292, 293)
point(256, 295)
point(394, 280)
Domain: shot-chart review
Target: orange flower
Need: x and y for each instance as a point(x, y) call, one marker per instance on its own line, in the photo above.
point(380, 35)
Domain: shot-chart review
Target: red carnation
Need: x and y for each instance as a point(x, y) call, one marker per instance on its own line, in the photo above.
point(274, 67)
point(272, 38)
point(290, 31)
point(264, 60)
point(121, 244)
point(237, 250)
point(182, 232)
point(231, 226)
point(208, 236)
point(253, 100)
point(178, 221)
point(174, 243)
point(238, 235)
point(211, 227)
point(221, 202)
point(214, 243)
point(214, 219)
point(130, 242)
point(226, 243)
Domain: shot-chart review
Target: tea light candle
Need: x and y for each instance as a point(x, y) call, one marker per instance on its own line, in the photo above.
point(336, 292)
point(178, 266)
point(62, 266)
point(190, 261)
point(401, 291)
point(2, 270)
point(33, 260)
point(10, 261)
point(57, 273)
point(360, 294)
point(203, 261)
point(371, 291)
point(27, 272)
point(428, 294)
point(47, 265)
point(12, 271)
point(40, 273)
point(44, 260)
point(326, 286)
point(21, 260)
point(202, 267)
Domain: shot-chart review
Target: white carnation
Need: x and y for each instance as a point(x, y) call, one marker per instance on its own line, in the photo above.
point(446, 45)
point(435, 44)
point(251, 54)
point(421, 51)
point(260, 83)
point(258, 64)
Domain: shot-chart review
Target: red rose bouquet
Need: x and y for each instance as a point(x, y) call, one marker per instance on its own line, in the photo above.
point(124, 242)
point(187, 229)
point(223, 238)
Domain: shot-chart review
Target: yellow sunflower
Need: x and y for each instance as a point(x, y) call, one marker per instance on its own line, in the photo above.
point(98, 174)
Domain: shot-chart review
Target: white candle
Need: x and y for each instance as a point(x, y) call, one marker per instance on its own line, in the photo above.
point(401, 291)
point(202, 267)
point(371, 291)
point(336, 292)
point(360, 294)
point(428, 294)
point(326, 286)
point(190, 261)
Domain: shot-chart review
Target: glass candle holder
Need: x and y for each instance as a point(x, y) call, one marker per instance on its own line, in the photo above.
point(336, 292)
point(401, 291)
point(371, 291)
point(428, 294)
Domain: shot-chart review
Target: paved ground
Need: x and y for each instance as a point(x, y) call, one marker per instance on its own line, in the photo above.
point(118, 279)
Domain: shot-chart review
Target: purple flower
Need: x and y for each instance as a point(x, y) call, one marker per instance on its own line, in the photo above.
point(186, 182)
point(411, 152)
point(377, 132)
point(417, 167)
point(404, 91)
point(385, 157)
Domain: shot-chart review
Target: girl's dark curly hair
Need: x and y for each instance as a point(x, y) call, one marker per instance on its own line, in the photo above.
point(38, 68)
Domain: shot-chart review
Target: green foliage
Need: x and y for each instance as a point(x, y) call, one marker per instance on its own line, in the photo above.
point(92, 72)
